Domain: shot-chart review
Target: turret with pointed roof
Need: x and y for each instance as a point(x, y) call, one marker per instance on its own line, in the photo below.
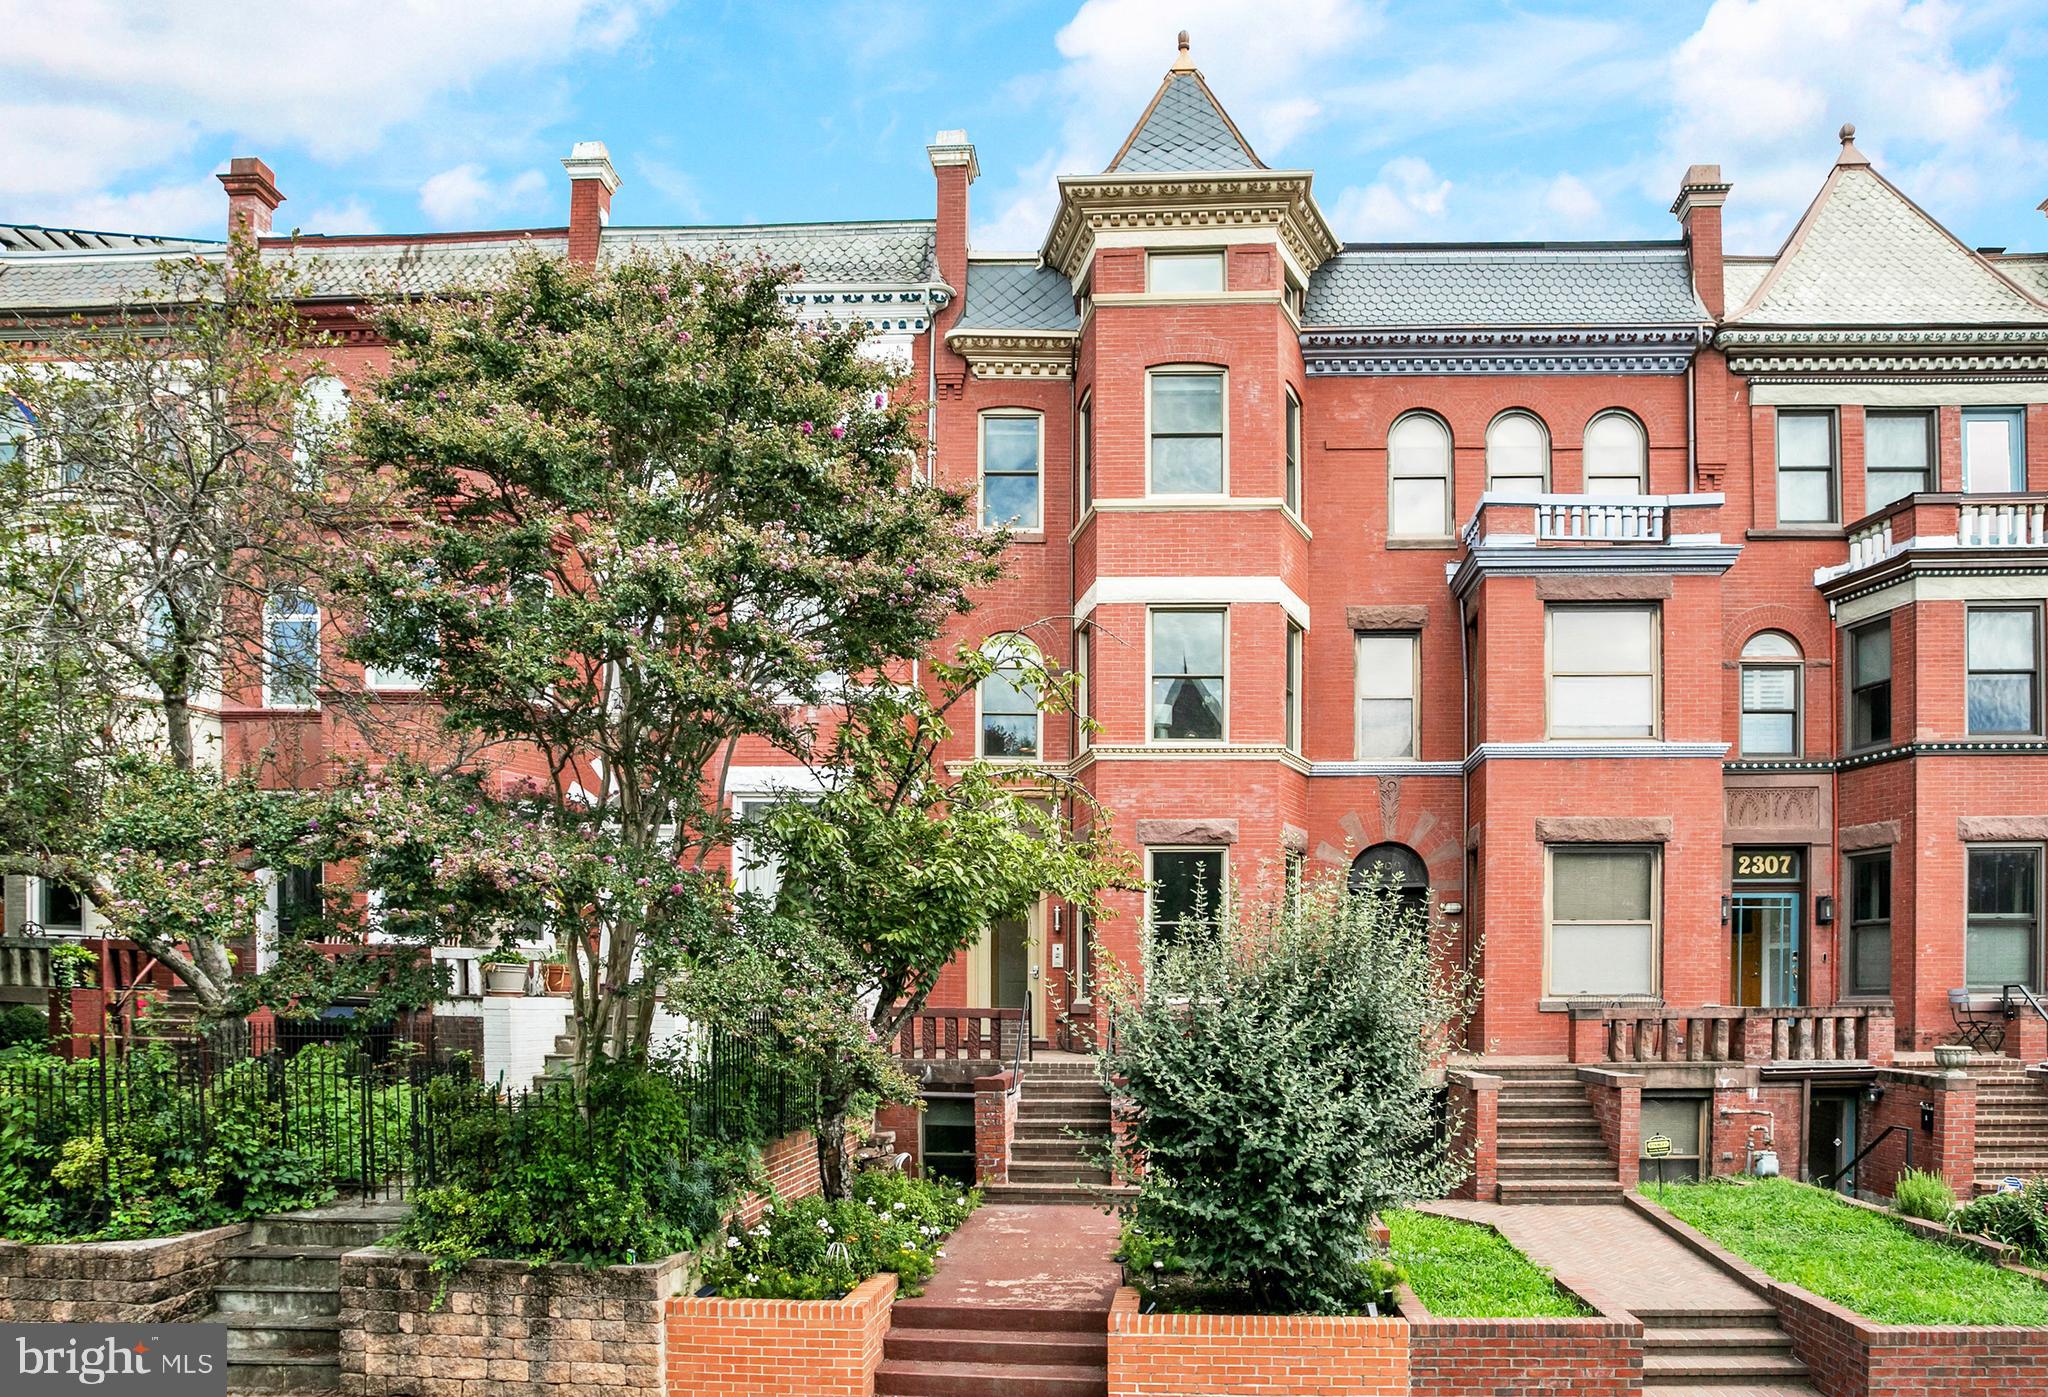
point(1184, 128)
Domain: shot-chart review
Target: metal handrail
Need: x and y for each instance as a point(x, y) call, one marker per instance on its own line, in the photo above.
point(2006, 993)
point(1830, 1180)
point(1020, 1051)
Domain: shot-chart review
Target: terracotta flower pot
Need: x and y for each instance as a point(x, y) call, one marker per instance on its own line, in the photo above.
point(557, 975)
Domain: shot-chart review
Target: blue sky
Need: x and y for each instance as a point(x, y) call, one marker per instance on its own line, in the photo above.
point(1444, 120)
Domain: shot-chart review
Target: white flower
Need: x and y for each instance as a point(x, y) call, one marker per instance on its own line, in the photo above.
point(1159, 1266)
point(732, 1243)
point(940, 1252)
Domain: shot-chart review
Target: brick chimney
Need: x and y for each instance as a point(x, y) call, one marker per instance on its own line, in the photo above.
point(252, 196)
point(592, 181)
point(954, 167)
point(1698, 207)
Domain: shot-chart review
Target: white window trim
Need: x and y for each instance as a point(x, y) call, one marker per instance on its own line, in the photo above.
point(1656, 732)
point(1414, 693)
point(1196, 743)
point(270, 618)
point(1084, 458)
point(1023, 645)
point(1542, 429)
point(1294, 657)
point(1450, 477)
point(1295, 441)
point(1080, 652)
point(1656, 853)
point(1642, 435)
point(1188, 254)
point(2040, 853)
point(1220, 902)
point(1183, 370)
point(981, 466)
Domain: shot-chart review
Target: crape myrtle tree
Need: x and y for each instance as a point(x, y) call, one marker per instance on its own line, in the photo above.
point(1277, 1065)
point(164, 469)
point(646, 516)
point(892, 869)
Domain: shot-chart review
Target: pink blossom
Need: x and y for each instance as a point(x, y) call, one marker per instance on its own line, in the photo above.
point(804, 427)
point(838, 432)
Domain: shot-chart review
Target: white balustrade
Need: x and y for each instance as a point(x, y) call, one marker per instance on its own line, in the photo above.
point(1870, 544)
point(2003, 524)
point(1600, 521)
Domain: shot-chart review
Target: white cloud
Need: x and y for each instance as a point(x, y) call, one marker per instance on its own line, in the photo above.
point(101, 90)
point(180, 207)
point(685, 200)
point(350, 216)
point(1406, 201)
point(1762, 85)
point(465, 193)
point(1568, 199)
point(1115, 52)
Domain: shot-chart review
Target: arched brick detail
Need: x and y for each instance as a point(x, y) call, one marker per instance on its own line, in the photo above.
point(1169, 350)
point(1775, 616)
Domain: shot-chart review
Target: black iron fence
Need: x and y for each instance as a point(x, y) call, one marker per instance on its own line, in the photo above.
point(240, 1110)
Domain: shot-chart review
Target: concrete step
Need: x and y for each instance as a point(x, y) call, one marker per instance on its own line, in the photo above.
point(1719, 1389)
point(894, 1379)
point(300, 1265)
point(284, 1372)
point(343, 1225)
point(1692, 1368)
point(1028, 1129)
point(1061, 1151)
point(1097, 1121)
point(273, 1299)
point(1057, 1347)
point(305, 1334)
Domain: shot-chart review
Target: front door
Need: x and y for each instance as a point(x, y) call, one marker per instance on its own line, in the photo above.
point(1010, 975)
point(1766, 938)
point(1831, 1138)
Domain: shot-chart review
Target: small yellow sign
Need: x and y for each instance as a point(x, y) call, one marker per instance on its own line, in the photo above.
point(1657, 1147)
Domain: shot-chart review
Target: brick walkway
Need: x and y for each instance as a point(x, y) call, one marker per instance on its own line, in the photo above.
point(1034, 1257)
point(1613, 1258)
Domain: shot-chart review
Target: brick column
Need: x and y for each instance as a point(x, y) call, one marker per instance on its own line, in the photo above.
point(1881, 1032)
point(1949, 1149)
point(995, 1121)
point(1617, 1099)
point(2026, 1037)
point(1475, 1109)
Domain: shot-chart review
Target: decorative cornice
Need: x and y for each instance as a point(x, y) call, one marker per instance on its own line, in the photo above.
point(1387, 769)
point(1534, 560)
point(1584, 349)
point(1277, 199)
point(1909, 563)
point(1883, 336)
point(897, 308)
point(1974, 747)
point(1594, 751)
point(1016, 353)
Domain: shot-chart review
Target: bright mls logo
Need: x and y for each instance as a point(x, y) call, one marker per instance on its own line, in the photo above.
point(162, 1360)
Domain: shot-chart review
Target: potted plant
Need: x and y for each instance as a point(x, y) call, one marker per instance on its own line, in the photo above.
point(72, 967)
point(1952, 1057)
point(504, 973)
point(555, 972)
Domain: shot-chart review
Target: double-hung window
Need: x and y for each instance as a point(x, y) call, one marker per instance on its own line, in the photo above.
point(291, 651)
point(1806, 467)
point(1517, 454)
point(1994, 450)
point(1870, 923)
point(1083, 705)
point(1291, 485)
point(1292, 694)
point(1603, 671)
point(1419, 478)
point(1870, 684)
point(1187, 891)
point(1617, 456)
point(1770, 695)
point(2002, 935)
point(1386, 687)
point(1187, 432)
point(2002, 647)
point(1898, 457)
point(1084, 458)
point(1188, 693)
point(1012, 450)
point(1603, 920)
point(16, 427)
point(322, 419)
point(1009, 700)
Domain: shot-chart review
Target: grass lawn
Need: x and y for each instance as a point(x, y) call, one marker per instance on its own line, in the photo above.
point(1463, 1271)
point(1861, 1260)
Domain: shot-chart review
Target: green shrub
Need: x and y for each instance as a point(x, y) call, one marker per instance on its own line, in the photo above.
point(1277, 1061)
point(23, 1027)
point(1919, 1194)
point(814, 1249)
point(2018, 1219)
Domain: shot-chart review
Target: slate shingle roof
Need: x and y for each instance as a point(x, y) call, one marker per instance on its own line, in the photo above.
point(1017, 296)
point(1739, 280)
point(33, 237)
point(1478, 286)
point(828, 254)
point(1864, 255)
point(1183, 130)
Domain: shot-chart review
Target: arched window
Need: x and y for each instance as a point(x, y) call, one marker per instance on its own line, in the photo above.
point(1517, 454)
point(1419, 478)
point(14, 429)
point(1397, 869)
point(1009, 700)
point(1770, 695)
point(1617, 456)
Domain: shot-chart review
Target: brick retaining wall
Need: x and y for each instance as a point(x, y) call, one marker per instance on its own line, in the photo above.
point(156, 1280)
point(1600, 1356)
point(504, 1327)
point(1172, 1355)
point(779, 1348)
point(791, 1166)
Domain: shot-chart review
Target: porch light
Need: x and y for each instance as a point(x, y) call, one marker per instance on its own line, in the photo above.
point(1824, 910)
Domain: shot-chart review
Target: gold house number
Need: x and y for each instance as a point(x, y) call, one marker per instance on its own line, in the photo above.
point(1764, 865)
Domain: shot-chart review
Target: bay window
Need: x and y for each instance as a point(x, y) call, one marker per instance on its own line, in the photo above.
point(1186, 435)
point(1603, 920)
point(1603, 671)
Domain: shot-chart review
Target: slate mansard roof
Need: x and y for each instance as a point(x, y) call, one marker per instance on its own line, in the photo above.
point(1017, 295)
point(1184, 129)
point(1471, 286)
point(891, 253)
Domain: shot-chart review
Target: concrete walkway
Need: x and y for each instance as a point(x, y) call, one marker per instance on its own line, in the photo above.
point(1614, 1258)
point(1049, 1256)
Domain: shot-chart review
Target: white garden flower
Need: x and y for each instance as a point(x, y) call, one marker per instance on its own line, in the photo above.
point(732, 1243)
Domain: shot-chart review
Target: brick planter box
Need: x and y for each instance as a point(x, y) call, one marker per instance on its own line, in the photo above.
point(1600, 1356)
point(157, 1280)
point(768, 1348)
point(1850, 1356)
point(504, 1327)
point(1171, 1355)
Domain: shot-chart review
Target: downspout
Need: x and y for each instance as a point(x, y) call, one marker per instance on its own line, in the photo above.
point(1465, 795)
point(1691, 425)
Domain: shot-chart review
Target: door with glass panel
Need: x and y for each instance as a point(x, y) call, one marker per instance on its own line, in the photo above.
point(1764, 929)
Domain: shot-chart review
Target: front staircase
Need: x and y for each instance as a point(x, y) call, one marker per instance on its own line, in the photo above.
point(1061, 1135)
point(1549, 1141)
point(2012, 1122)
point(280, 1296)
point(1739, 1352)
point(940, 1350)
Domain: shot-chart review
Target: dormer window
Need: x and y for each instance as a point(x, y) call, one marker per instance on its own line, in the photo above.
point(1184, 273)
